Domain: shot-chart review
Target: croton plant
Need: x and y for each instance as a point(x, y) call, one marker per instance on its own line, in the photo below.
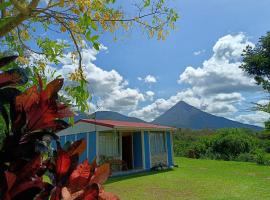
point(29, 168)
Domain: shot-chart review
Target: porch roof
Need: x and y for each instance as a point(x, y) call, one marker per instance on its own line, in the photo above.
point(126, 125)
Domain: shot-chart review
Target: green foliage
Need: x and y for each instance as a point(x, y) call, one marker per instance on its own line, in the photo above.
point(256, 62)
point(262, 158)
point(224, 144)
point(229, 143)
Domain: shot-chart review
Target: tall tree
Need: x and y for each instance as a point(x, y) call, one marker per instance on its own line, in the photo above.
point(256, 62)
point(30, 27)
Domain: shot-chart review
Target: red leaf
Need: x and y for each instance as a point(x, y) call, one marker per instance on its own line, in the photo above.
point(94, 163)
point(77, 147)
point(11, 178)
point(52, 88)
point(107, 196)
point(91, 192)
point(68, 196)
point(13, 77)
point(80, 176)
point(55, 193)
point(26, 100)
point(37, 183)
point(29, 169)
point(42, 110)
point(62, 163)
point(101, 174)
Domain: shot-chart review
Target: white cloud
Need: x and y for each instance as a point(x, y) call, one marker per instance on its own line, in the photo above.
point(148, 79)
point(221, 73)
point(197, 53)
point(258, 118)
point(150, 95)
point(108, 87)
point(215, 87)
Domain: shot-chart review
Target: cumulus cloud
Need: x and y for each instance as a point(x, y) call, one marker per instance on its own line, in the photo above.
point(148, 79)
point(108, 87)
point(215, 87)
point(258, 118)
point(221, 73)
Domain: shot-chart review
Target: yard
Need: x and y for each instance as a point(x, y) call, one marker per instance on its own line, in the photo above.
point(197, 179)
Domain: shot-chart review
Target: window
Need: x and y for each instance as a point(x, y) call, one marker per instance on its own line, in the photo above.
point(157, 143)
point(109, 144)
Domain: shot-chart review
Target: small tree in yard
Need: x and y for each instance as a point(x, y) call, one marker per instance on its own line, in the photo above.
point(27, 169)
point(256, 62)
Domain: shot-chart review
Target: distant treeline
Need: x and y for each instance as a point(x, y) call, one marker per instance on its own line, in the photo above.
point(236, 144)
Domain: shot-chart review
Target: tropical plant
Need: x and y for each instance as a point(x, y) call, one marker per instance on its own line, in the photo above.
point(28, 169)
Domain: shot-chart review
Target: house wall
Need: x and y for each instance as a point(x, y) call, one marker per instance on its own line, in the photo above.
point(137, 150)
point(169, 148)
point(147, 155)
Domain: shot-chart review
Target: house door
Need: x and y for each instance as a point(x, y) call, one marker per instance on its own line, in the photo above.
point(127, 150)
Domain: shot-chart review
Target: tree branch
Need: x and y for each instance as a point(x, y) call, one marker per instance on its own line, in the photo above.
point(13, 22)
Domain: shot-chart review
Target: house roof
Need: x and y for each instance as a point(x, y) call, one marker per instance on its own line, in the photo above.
point(125, 124)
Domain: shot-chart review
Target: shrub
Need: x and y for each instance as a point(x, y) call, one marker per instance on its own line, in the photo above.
point(246, 157)
point(231, 143)
point(262, 158)
point(200, 148)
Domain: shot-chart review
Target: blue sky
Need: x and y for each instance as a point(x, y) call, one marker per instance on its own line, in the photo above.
point(118, 75)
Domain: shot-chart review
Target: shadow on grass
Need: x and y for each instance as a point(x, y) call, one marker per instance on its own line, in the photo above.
point(136, 175)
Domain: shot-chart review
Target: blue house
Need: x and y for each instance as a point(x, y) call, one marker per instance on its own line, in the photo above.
point(136, 146)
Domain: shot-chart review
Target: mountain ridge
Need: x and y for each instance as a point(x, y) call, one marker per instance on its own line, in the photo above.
point(183, 115)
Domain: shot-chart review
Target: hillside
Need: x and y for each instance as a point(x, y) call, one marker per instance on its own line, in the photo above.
point(183, 115)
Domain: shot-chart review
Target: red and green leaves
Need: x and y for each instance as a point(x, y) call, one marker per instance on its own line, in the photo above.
point(25, 172)
point(42, 108)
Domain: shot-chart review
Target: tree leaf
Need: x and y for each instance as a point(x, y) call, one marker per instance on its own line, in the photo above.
point(91, 192)
point(101, 174)
point(52, 88)
point(63, 162)
point(13, 77)
point(80, 177)
point(11, 178)
point(77, 147)
point(107, 196)
point(29, 169)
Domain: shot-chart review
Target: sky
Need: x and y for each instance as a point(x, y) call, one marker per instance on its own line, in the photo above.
point(197, 63)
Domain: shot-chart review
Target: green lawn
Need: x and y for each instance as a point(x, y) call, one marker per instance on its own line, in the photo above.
point(197, 179)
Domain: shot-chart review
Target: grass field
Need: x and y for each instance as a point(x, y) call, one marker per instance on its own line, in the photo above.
point(197, 179)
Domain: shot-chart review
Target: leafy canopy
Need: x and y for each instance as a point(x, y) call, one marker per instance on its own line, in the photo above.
point(256, 62)
point(33, 27)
